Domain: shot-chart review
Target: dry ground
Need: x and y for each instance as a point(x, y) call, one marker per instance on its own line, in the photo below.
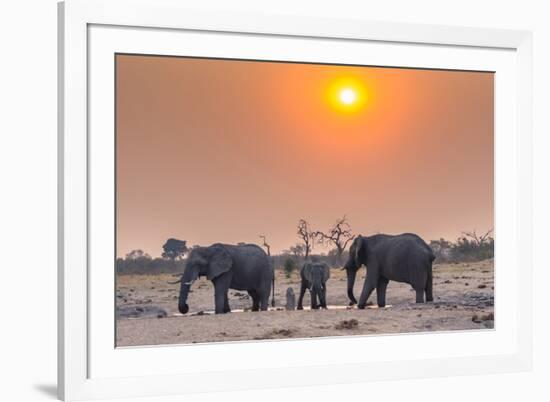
point(147, 309)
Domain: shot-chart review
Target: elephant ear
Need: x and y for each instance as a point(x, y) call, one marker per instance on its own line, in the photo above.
point(192, 275)
point(220, 262)
point(326, 272)
point(306, 269)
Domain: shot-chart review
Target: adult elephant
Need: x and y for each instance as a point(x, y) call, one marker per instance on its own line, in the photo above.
point(243, 267)
point(402, 258)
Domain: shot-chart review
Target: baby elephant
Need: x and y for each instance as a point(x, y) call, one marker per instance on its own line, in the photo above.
point(314, 277)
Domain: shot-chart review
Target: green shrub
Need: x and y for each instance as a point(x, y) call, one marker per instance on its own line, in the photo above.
point(289, 266)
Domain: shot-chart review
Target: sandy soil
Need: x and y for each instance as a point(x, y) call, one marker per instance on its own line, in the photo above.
point(147, 311)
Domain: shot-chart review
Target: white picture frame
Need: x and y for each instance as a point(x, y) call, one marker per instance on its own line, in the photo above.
point(90, 32)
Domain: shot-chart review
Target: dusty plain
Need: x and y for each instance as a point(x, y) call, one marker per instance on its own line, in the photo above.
point(147, 309)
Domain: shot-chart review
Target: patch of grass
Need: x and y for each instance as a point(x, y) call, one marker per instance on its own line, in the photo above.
point(283, 332)
point(347, 324)
point(277, 333)
point(486, 317)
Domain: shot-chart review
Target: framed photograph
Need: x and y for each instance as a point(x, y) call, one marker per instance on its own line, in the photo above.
point(255, 201)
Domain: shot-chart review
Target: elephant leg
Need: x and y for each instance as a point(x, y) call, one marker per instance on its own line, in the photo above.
point(429, 287)
point(313, 297)
point(264, 301)
point(301, 297)
point(221, 287)
point(255, 300)
point(368, 287)
point(219, 299)
point(324, 303)
point(419, 295)
point(381, 291)
point(226, 308)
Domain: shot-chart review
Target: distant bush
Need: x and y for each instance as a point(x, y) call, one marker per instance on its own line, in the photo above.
point(174, 249)
point(331, 258)
point(467, 248)
point(134, 263)
point(289, 266)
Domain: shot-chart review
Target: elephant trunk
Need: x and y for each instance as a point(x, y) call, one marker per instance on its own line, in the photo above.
point(321, 295)
point(315, 296)
point(189, 276)
point(351, 281)
point(182, 304)
point(184, 292)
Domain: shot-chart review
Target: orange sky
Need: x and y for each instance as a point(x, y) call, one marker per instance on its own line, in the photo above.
point(222, 151)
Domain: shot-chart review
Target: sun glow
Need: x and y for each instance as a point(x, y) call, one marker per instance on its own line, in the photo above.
point(347, 95)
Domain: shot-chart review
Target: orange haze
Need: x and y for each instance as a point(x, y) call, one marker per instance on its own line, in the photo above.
point(223, 150)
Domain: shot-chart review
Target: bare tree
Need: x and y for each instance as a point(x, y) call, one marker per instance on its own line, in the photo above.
point(266, 245)
point(307, 235)
point(339, 235)
point(479, 239)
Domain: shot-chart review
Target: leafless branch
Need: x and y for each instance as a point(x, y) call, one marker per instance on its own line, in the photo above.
point(339, 235)
point(266, 245)
point(478, 239)
point(307, 235)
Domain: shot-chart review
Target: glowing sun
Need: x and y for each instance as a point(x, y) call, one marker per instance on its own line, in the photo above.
point(347, 94)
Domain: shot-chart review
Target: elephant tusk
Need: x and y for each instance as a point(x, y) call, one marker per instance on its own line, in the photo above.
point(189, 283)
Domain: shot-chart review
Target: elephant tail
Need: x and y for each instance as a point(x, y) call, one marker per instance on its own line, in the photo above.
point(273, 289)
point(429, 284)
